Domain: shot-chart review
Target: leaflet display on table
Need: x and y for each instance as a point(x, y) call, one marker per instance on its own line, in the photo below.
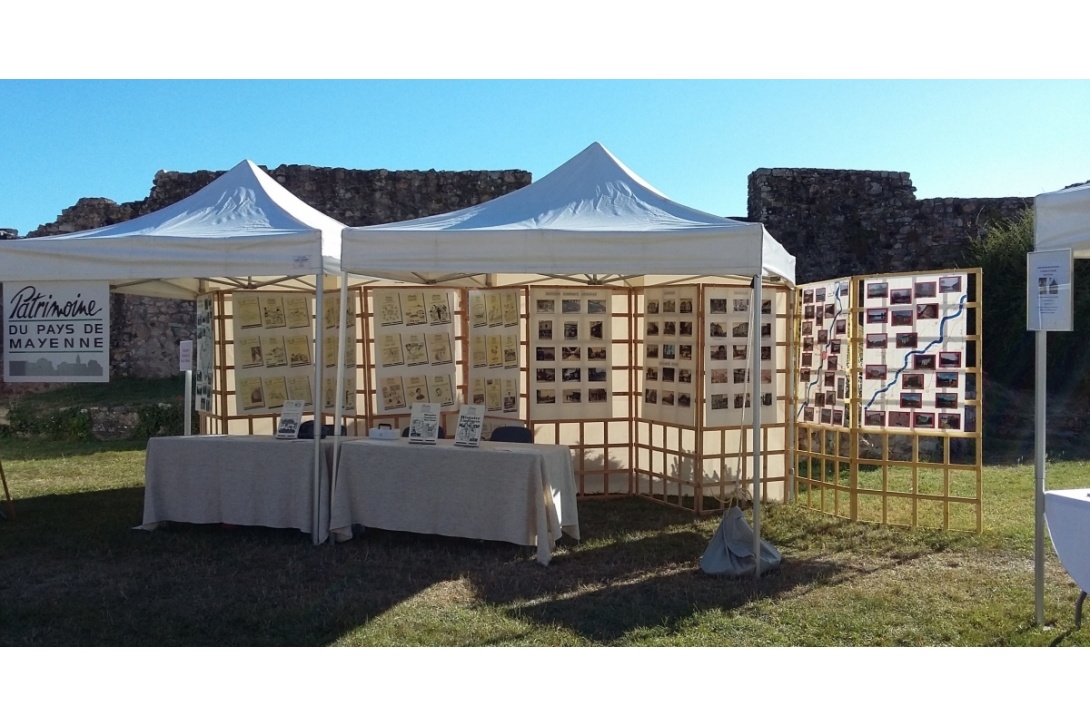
point(914, 352)
point(273, 351)
point(424, 423)
point(494, 373)
point(570, 341)
point(470, 426)
point(824, 386)
point(414, 348)
point(729, 353)
point(291, 415)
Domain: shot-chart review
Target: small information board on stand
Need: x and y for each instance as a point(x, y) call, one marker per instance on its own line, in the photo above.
point(424, 423)
point(1049, 290)
point(470, 424)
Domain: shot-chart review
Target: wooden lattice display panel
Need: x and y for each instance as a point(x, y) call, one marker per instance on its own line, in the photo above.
point(699, 457)
point(891, 434)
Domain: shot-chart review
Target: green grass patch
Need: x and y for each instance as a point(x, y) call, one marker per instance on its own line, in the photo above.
point(73, 572)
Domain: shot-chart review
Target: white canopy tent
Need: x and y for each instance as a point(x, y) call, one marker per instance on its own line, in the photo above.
point(591, 219)
point(1061, 222)
point(590, 216)
point(241, 231)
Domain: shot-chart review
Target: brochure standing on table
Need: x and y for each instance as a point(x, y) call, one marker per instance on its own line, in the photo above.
point(424, 424)
point(470, 424)
point(290, 418)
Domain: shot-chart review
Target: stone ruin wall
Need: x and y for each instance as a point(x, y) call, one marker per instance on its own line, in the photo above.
point(839, 222)
point(144, 331)
point(835, 223)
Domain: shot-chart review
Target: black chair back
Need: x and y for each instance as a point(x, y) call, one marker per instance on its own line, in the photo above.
point(306, 430)
point(513, 434)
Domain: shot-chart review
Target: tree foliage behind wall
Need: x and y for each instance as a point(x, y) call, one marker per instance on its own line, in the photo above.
point(1009, 349)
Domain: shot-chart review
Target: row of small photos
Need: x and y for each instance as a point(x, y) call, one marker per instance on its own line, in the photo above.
point(570, 306)
point(571, 328)
point(818, 313)
point(906, 340)
point(668, 398)
point(737, 401)
point(836, 417)
point(903, 296)
point(718, 306)
point(571, 396)
point(915, 419)
point(737, 330)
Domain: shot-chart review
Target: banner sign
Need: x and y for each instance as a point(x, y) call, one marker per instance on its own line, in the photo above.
point(57, 332)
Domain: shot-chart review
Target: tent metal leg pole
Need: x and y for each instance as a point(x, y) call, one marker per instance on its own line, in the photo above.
point(319, 308)
point(188, 418)
point(1039, 479)
point(342, 331)
point(755, 373)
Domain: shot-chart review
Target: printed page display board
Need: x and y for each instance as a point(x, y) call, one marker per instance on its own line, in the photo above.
point(414, 348)
point(274, 345)
point(57, 332)
point(914, 331)
point(205, 342)
point(729, 358)
point(669, 358)
point(824, 385)
point(570, 341)
point(494, 351)
point(330, 349)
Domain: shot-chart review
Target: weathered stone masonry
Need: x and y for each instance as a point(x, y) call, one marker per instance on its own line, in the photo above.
point(840, 222)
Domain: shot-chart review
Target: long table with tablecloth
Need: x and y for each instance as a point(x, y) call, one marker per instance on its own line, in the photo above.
point(235, 479)
point(516, 493)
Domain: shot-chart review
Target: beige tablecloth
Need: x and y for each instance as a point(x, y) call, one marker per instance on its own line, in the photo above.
point(515, 493)
point(241, 480)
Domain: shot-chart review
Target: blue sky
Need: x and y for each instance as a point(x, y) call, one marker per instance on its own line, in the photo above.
point(696, 141)
point(131, 102)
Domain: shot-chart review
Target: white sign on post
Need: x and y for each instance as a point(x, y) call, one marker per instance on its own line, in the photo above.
point(1048, 290)
point(57, 332)
point(185, 355)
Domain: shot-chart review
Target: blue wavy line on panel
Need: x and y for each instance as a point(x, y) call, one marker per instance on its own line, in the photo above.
point(837, 291)
point(940, 339)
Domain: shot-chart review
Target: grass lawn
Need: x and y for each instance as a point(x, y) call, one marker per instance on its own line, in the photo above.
point(73, 572)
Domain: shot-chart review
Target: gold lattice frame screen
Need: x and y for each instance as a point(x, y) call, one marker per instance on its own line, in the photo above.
point(888, 399)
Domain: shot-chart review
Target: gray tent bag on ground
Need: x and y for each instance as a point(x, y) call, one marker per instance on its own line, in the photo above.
point(730, 551)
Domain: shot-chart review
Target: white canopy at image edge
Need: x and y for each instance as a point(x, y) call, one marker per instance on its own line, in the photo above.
point(591, 215)
point(243, 227)
point(1062, 220)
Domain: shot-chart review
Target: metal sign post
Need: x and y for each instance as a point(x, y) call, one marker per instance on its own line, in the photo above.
point(1048, 308)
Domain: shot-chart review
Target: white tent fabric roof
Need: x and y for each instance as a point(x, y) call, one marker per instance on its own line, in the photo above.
point(591, 215)
point(1062, 220)
point(240, 227)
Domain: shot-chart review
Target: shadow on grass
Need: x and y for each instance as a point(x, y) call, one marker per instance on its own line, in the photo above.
point(74, 572)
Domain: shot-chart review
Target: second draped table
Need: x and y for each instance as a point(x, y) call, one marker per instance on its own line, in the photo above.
point(515, 493)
